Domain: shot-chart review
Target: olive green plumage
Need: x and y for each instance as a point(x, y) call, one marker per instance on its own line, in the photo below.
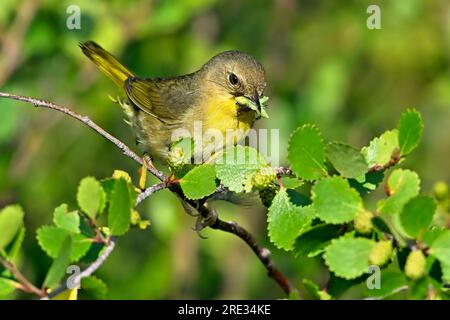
point(160, 106)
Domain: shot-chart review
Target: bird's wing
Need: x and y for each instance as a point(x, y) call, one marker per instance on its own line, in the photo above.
point(164, 99)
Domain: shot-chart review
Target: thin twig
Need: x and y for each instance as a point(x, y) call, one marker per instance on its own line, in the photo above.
point(149, 191)
point(190, 206)
point(26, 285)
point(109, 248)
point(91, 124)
point(86, 272)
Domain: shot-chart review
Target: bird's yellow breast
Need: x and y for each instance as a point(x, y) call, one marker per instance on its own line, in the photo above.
point(222, 114)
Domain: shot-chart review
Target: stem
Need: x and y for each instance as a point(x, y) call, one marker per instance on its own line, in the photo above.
point(26, 285)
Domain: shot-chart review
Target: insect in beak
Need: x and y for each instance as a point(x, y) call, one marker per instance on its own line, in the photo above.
point(255, 103)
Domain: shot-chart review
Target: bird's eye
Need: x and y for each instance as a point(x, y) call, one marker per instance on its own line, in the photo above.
point(233, 79)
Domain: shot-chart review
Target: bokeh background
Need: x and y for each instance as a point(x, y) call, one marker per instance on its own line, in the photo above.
point(323, 66)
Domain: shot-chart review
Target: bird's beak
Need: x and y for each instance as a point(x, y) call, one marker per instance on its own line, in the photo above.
point(256, 99)
point(254, 103)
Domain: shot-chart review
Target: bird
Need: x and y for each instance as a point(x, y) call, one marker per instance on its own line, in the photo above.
point(226, 93)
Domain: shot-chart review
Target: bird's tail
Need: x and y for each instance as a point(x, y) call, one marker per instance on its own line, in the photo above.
point(106, 62)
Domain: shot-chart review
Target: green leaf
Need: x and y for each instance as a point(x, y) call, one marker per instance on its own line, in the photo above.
point(348, 161)
point(50, 240)
point(199, 182)
point(390, 281)
point(11, 220)
point(291, 183)
point(236, 164)
point(306, 153)
point(409, 131)
point(445, 271)
point(286, 221)
point(7, 286)
point(312, 242)
point(95, 287)
point(431, 235)
point(440, 248)
point(69, 221)
point(335, 201)
point(348, 258)
point(381, 149)
point(90, 196)
point(58, 268)
point(16, 244)
point(369, 183)
point(314, 290)
point(119, 215)
point(402, 186)
point(417, 216)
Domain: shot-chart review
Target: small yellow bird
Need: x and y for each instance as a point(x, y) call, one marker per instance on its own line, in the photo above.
point(224, 94)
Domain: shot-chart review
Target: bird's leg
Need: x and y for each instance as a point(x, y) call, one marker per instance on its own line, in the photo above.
point(146, 163)
point(204, 221)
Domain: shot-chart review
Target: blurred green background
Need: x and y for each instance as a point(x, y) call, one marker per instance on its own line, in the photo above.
point(323, 66)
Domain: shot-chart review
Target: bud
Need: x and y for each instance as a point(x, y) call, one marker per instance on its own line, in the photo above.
point(415, 265)
point(175, 158)
point(381, 253)
point(264, 178)
point(363, 222)
point(440, 190)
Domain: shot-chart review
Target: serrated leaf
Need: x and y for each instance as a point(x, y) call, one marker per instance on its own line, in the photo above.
point(50, 240)
point(381, 149)
point(69, 221)
point(402, 186)
point(11, 220)
point(119, 215)
point(58, 268)
point(286, 220)
point(306, 153)
point(348, 161)
point(348, 258)
point(236, 164)
point(440, 248)
point(409, 131)
point(313, 242)
point(90, 196)
point(417, 216)
point(335, 201)
point(199, 182)
point(94, 286)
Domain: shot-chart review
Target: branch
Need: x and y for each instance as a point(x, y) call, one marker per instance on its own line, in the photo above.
point(149, 191)
point(25, 285)
point(91, 124)
point(262, 253)
point(190, 206)
point(108, 249)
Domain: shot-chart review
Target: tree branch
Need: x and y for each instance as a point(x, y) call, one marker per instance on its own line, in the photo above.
point(232, 227)
point(26, 285)
point(91, 124)
point(149, 191)
point(262, 253)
